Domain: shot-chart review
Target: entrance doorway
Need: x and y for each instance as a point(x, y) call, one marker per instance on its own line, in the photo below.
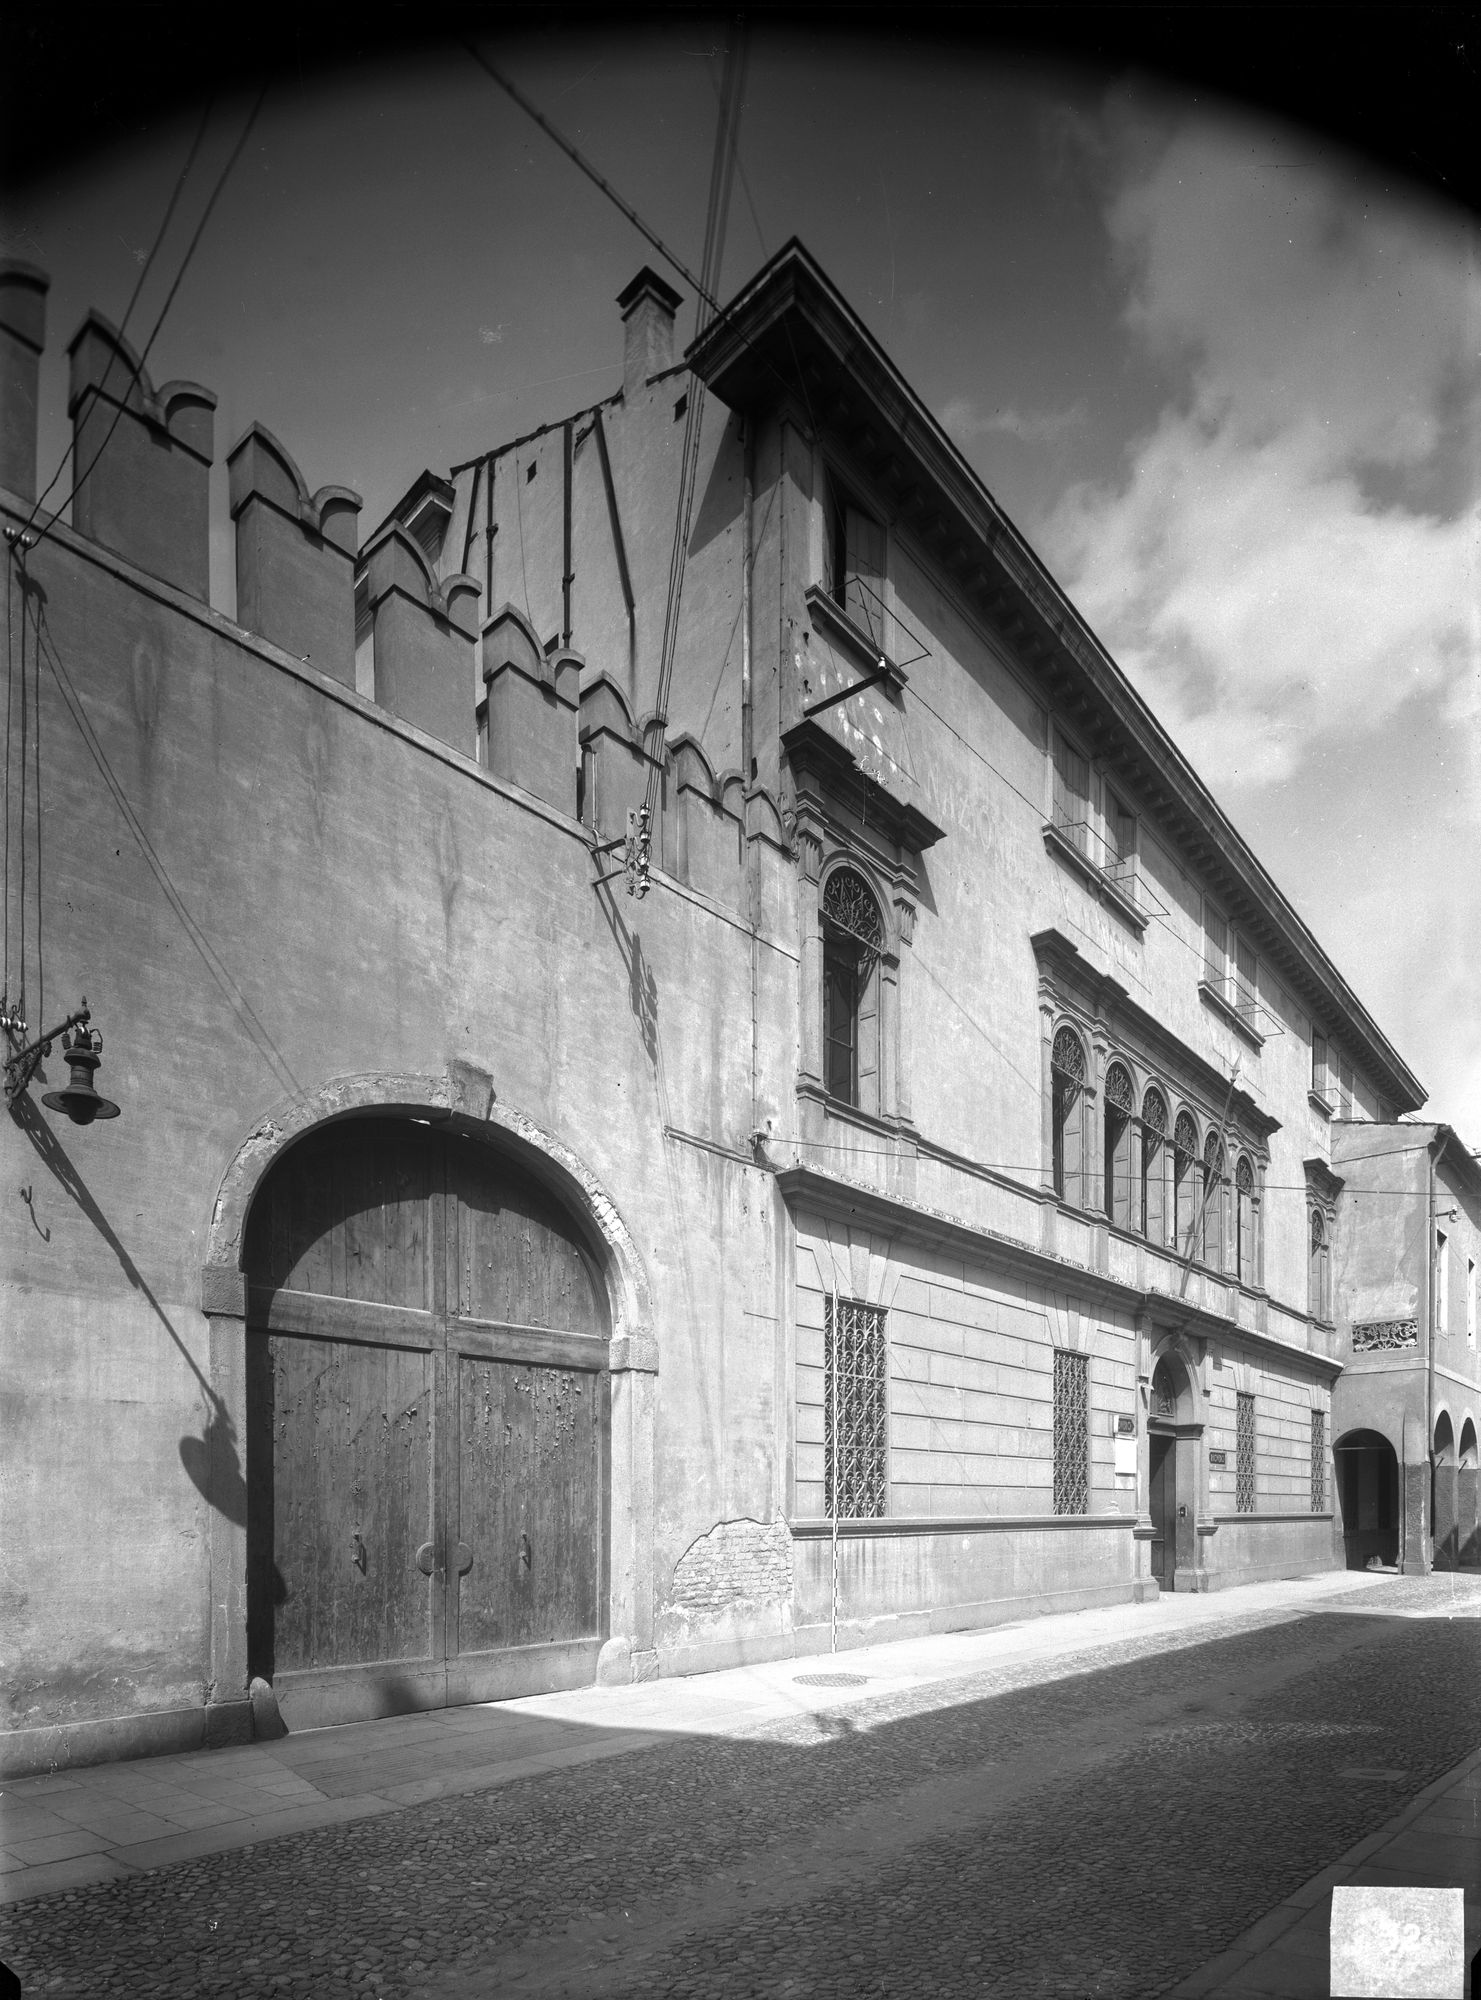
point(427, 1421)
point(1368, 1486)
point(1162, 1502)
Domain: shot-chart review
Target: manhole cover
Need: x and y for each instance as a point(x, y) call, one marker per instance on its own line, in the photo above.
point(830, 1680)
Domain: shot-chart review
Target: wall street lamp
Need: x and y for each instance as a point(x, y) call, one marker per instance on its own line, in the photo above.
point(82, 1047)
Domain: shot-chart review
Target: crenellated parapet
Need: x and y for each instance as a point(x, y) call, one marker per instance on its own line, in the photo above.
point(23, 289)
point(615, 766)
point(703, 831)
point(295, 555)
point(422, 629)
point(142, 459)
point(530, 710)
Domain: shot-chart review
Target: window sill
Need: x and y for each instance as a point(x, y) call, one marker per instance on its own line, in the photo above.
point(1319, 1104)
point(832, 619)
point(1110, 892)
point(852, 1114)
point(1212, 997)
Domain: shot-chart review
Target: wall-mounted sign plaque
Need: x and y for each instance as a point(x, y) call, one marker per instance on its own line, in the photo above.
point(1218, 1458)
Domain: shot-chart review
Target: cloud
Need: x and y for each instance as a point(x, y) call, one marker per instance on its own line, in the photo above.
point(1288, 561)
point(963, 420)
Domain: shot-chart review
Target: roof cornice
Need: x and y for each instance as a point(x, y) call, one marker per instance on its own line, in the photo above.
point(790, 335)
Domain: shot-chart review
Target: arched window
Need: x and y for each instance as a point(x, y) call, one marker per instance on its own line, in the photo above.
point(1245, 1206)
point(1067, 1071)
point(853, 937)
point(1320, 1270)
point(1213, 1202)
point(1120, 1103)
point(1185, 1181)
point(1154, 1167)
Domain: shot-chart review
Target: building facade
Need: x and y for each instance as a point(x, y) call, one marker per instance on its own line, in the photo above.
point(1407, 1403)
point(894, 1214)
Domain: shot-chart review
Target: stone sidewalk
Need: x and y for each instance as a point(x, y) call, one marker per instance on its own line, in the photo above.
point(102, 1822)
point(1434, 1843)
point(1099, 1802)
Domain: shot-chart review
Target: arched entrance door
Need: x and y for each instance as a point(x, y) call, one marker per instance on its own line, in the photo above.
point(427, 1398)
point(1162, 1456)
point(1368, 1486)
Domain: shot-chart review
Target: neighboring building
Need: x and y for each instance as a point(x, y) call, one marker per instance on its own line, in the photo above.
point(1407, 1403)
point(496, 1280)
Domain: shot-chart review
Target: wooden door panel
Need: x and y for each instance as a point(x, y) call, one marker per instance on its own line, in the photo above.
point(528, 1504)
point(514, 1254)
point(346, 1216)
point(352, 1501)
point(1161, 1506)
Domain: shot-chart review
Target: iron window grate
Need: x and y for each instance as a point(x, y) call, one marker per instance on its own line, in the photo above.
point(1071, 1433)
point(1318, 1461)
point(855, 1437)
point(1244, 1461)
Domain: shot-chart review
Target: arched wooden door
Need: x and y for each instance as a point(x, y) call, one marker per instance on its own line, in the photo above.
point(427, 1428)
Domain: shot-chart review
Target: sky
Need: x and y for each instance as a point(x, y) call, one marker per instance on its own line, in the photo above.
point(1225, 376)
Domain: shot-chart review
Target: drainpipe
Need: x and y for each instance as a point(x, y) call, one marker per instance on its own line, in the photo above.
point(1437, 1146)
point(747, 449)
point(567, 455)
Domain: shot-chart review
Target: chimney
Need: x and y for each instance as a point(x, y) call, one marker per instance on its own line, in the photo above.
point(648, 308)
point(23, 291)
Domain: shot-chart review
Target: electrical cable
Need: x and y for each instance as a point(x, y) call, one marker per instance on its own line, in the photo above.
point(721, 169)
point(572, 153)
point(185, 263)
point(159, 238)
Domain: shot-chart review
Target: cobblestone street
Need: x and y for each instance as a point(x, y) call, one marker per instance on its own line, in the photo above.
point(1100, 1822)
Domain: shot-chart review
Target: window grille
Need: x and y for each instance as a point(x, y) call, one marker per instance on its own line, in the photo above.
point(1318, 1461)
point(1071, 1433)
point(1244, 1463)
point(855, 1478)
point(1373, 1335)
point(849, 907)
point(1164, 1398)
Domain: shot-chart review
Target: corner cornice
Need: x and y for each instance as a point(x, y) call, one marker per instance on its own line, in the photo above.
point(789, 332)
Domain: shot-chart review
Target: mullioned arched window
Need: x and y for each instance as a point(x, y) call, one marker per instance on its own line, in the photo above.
point(1067, 1071)
point(853, 939)
point(1120, 1105)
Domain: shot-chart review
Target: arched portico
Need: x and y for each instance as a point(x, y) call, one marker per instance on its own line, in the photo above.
point(1444, 1493)
point(462, 1105)
point(1468, 1529)
point(1368, 1495)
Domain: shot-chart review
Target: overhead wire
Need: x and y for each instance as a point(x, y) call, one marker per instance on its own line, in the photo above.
point(138, 368)
point(123, 327)
point(721, 172)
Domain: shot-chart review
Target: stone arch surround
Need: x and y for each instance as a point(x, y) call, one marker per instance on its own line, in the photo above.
point(463, 1097)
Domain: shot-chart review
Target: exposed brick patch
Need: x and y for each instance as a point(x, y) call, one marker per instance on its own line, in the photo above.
point(736, 1562)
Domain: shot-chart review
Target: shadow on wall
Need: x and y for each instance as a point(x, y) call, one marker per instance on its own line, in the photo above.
point(213, 1461)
